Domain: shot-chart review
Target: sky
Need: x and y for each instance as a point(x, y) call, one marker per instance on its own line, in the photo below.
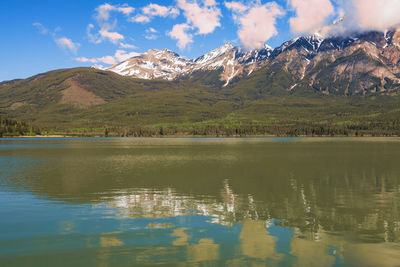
point(42, 35)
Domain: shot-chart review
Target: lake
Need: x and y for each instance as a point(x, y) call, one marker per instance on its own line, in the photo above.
point(213, 202)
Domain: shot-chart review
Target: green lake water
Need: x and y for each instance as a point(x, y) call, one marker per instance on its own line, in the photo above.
point(200, 202)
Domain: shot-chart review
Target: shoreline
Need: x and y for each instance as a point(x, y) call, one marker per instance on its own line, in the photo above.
point(200, 137)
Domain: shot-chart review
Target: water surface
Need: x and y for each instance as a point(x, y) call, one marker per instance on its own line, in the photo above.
point(218, 202)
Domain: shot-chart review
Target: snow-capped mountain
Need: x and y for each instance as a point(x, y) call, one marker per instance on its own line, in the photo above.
point(154, 64)
point(298, 57)
point(165, 64)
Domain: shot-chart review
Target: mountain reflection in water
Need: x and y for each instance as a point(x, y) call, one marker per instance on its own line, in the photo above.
point(221, 202)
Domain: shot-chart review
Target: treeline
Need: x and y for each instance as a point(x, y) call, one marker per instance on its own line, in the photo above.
point(11, 127)
point(243, 130)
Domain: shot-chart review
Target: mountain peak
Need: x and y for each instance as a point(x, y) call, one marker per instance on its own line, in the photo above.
point(153, 64)
point(228, 45)
point(214, 54)
point(161, 52)
point(267, 47)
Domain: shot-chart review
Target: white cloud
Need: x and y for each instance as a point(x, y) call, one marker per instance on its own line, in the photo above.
point(120, 55)
point(205, 17)
point(43, 30)
point(126, 45)
point(149, 30)
point(126, 10)
point(154, 10)
point(161, 11)
point(257, 22)
point(67, 44)
point(103, 11)
point(311, 15)
point(104, 33)
point(236, 7)
point(179, 32)
point(62, 42)
point(376, 14)
point(110, 60)
point(107, 30)
point(113, 37)
point(86, 60)
point(365, 15)
point(93, 38)
point(209, 2)
point(151, 34)
point(151, 37)
point(140, 19)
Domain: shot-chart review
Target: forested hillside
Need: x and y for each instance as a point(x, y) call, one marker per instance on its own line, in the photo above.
point(10, 127)
point(86, 101)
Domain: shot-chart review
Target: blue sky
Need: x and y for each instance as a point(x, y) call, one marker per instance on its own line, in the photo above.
point(25, 51)
point(43, 35)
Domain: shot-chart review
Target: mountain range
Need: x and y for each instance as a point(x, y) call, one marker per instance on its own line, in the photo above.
point(165, 64)
point(349, 82)
point(358, 64)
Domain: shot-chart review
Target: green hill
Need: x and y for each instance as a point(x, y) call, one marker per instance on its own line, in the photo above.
point(88, 101)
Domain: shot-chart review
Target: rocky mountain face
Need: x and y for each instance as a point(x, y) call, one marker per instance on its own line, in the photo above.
point(165, 64)
point(360, 64)
point(365, 63)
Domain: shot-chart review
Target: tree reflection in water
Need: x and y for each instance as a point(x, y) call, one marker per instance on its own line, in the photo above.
point(236, 203)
